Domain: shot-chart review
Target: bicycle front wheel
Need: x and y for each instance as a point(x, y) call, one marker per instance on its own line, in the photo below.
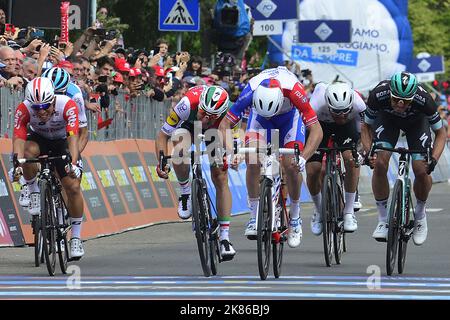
point(403, 242)
point(48, 229)
point(264, 228)
point(281, 236)
point(63, 224)
point(199, 216)
point(395, 217)
point(38, 244)
point(338, 230)
point(327, 218)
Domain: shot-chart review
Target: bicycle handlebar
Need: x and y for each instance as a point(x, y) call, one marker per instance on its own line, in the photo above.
point(40, 159)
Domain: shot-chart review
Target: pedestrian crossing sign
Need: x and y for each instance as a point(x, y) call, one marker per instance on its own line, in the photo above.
point(179, 15)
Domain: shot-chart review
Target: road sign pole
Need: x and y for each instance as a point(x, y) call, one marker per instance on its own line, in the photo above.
point(179, 40)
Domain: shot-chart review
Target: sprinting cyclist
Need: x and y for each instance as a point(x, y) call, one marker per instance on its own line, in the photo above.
point(53, 128)
point(204, 106)
point(340, 112)
point(401, 103)
point(277, 101)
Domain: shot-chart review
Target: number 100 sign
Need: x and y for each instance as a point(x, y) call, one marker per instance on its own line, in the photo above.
point(267, 27)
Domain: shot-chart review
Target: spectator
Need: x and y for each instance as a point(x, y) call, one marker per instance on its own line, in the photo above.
point(8, 58)
point(161, 51)
point(194, 68)
point(29, 69)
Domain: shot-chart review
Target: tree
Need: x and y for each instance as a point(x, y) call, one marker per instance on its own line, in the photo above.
point(431, 28)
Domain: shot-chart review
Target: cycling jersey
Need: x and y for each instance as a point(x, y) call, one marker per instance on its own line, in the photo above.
point(186, 111)
point(62, 123)
point(422, 104)
point(74, 92)
point(294, 96)
point(320, 106)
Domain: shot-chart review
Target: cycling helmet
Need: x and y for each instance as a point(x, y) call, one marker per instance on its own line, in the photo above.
point(214, 100)
point(339, 97)
point(40, 91)
point(268, 98)
point(60, 78)
point(403, 85)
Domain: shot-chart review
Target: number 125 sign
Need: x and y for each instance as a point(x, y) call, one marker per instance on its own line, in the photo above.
point(267, 27)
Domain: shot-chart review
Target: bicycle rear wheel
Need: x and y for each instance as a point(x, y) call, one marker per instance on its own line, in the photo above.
point(395, 207)
point(338, 230)
point(403, 242)
point(327, 218)
point(48, 228)
point(200, 225)
point(264, 228)
point(278, 243)
point(38, 244)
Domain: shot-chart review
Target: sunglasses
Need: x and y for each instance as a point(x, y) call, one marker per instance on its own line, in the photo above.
point(341, 111)
point(397, 100)
point(44, 106)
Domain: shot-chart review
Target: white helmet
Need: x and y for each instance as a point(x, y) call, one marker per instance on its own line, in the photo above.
point(339, 97)
point(268, 98)
point(40, 91)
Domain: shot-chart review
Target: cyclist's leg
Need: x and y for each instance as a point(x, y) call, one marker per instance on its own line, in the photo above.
point(182, 141)
point(257, 134)
point(386, 132)
point(346, 136)
point(292, 131)
point(219, 177)
point(418, 135)
point(33, 148)
point(314, 178)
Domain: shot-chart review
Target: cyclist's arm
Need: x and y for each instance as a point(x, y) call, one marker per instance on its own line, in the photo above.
point(21, 120)
point(435, 121)
point(70, 115)
point(83, 138)
point(161, 143)
point(366, 136)
point(314, 138)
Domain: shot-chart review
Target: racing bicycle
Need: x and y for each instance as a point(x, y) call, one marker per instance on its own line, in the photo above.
point(272, 218)
point(52, 225)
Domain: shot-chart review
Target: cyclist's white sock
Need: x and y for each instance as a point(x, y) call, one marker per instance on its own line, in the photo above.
point(253, 205)
point(224, 229)
point(317, 199)
point(294, 212)
point(419, 210)
point(185, 186)
point(32, 185)
point(349, 201)
point(382, 210)
point(76, 227)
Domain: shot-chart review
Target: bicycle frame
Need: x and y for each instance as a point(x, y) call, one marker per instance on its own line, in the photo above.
point(271, 170)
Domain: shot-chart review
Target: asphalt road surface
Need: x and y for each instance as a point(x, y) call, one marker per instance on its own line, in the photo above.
point(161, 262)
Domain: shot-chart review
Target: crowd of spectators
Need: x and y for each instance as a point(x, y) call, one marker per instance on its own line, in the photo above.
point(102, 67)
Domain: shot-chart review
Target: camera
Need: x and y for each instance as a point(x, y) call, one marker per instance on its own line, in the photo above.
point(100, 32)
point(102, 79)
point(36, 33)
point(111, 34)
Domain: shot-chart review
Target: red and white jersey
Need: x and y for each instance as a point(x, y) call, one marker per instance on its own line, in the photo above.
point(293, 91)
point(63, 122)
point(320, 106)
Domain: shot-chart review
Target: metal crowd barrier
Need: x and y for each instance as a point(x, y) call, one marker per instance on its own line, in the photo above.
point(136, 118)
